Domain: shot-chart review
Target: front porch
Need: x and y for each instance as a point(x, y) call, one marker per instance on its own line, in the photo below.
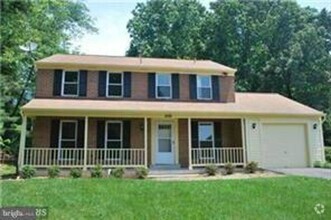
point(133, 142)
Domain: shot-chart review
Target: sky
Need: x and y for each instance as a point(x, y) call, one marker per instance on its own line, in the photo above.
point(112, 16)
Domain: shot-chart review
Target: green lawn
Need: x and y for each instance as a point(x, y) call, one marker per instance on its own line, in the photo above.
point(272, 198)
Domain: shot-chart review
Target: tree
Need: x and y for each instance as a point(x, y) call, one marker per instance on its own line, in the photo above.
point(167, 28)
point(50, 24)
point(276, 46)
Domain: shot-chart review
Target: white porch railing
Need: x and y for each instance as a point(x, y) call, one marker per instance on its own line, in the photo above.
point(217, 156)
point(74, 157)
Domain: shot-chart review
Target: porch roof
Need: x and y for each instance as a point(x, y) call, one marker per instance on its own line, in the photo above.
point(136, 64)
point(246, 104)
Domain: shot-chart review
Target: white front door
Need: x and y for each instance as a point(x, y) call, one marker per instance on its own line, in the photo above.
point(165, 143)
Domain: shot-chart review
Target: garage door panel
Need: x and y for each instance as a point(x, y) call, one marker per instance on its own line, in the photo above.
point(284, 145)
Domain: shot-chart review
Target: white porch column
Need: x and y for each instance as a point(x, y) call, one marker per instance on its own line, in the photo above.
point(22, 142)
point(85, 142)
point(145, 141)
point(243, 139)
point(189, 128)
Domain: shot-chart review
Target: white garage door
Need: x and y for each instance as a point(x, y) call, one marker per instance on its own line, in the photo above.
point(284, 145)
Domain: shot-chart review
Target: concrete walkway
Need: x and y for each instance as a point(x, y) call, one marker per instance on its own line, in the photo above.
point(309, 172)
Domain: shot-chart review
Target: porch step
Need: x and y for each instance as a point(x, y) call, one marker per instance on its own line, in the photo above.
point(174, 172)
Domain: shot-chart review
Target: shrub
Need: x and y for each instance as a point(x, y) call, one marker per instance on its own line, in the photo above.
point(76, 173)
point(142, 172)
point(251, 167)
point(211, 169)
point(229, 168)
point(318, 164)
point(117, 172)
point(328, 154)
point(53, 171)
point(96, 172)
point(28, 172)
point(327, 165)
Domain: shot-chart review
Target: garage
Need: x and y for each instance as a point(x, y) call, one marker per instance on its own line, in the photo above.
point(284, 145)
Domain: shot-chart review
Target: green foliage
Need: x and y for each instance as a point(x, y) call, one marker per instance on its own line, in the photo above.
point(28, 172)
point(211, 169)
point(53, 171)
point(118, 172)
point(142, 172)
point(327, 165)
point(276, 46)
point(251, 167)
point(328, 154)
point(229, 168)
point(318, 164)
point(50, 24)
point(97, 172)
point(76, 172)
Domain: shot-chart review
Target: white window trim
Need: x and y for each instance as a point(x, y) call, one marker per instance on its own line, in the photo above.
point(115, 84)
point(157, 85)
point(213, 139)
point(106, 139)
point(61, 139)
point(63, 82)
point(211, 88)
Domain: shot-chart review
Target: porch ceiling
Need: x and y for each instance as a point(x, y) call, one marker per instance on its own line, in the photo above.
point(246, 104)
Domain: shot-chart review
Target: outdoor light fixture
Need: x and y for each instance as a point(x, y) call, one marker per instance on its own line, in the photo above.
point(315, 126)
point(254, 125)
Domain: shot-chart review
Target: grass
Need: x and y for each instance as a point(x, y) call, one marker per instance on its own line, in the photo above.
point(272, 198)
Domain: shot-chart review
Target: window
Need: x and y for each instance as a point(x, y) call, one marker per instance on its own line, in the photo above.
point(114, 134)
point(70, 83)
point(206, 140)
point(163, 86)
point(114, 85)
point(67, 138)
point(204, 89)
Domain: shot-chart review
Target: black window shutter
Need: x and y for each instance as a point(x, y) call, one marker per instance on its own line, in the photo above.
point(55, 129)
point(82, 82)
point(195, 134)
point(57, 83)
point(100, 134)
point(102, 83)
point(80, 133)
point(175, 85)
point(127, 84)
point(151, 85)
point(193, 87)
point(216, 88)
point(217, 134)
point(126, 134)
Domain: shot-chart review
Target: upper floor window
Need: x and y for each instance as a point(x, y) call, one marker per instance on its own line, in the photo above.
point(204, 89)
point(114, 85)
point(70, 83)
point(163, 86)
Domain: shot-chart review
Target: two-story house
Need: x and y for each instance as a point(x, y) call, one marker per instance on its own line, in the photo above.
point(129, 112)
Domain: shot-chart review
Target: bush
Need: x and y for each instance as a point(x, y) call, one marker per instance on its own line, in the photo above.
point(118, 172)
point(211, 169)
point(328, 154)
point(76, 173)
point(142, 172)
point(251, 167)
point(96, 172)
point(327, 165)
point(318, 164)
point(229, 168)
point(28, 172)
point(53, 171)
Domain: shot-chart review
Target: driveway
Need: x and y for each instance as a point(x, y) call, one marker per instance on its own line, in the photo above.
point(309, 172)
